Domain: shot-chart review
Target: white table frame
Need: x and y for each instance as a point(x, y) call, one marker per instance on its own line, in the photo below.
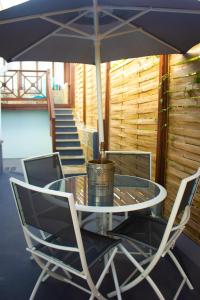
point(123, 208)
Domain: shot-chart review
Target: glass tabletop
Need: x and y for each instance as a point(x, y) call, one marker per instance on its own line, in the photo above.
point(130, 193)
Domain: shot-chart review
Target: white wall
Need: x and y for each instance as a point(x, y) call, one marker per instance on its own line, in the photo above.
point(25, 133)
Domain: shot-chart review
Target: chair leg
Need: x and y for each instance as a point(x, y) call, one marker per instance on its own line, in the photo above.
point(119, 297)
point(183, 274)
point(53, 270)
point(98, 284)
point(135, 271)
point(39, 281)
point(138, 279)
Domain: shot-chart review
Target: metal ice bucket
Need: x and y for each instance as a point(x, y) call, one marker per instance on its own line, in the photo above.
point(100, 182)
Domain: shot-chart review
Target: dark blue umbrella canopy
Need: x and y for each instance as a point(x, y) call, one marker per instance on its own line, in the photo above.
point(66, 30)
point(95, 31)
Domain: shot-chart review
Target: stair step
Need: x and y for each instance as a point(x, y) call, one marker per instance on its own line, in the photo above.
point(63, 108)
point(60, 111)
point(68, 135)
point(68, 148)
point(65, 122)
point(64, 116)
point(70, 151)
point(70, 157)
point(66, 132)
point(68, 143)
point(72, 160)
point(62, 120)
point(64, 128)
point(67, 140)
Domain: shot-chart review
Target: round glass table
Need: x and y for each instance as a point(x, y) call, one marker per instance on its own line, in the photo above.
point(130, 193)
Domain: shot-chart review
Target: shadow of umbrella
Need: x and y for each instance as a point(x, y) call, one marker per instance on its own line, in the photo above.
point(95, 31)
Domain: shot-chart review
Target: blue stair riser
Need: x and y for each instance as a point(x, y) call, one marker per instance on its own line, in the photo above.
point(68, 144)
point(72, 161)
point(64, 129)
point(65, 117)
point(71, 152)
point(63, 111)
point(67, 136)
point(65, 123)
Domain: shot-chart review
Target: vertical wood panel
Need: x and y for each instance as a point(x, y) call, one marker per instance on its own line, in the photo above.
point(79, 86)
point(183, 155)
point(134, 105)
point(163, 103)
point(133, 111)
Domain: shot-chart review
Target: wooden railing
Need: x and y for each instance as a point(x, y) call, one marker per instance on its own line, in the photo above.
point(51, 110)
point(21, 87)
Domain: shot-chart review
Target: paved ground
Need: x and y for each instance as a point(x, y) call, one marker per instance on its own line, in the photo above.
point(18, 273)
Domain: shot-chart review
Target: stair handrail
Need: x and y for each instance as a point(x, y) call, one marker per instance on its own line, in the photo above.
point(51, 110)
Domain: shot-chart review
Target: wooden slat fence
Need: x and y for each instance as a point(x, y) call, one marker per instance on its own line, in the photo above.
point(79, 92)
point(134, 104)
point(134, 88)
point(183, 156)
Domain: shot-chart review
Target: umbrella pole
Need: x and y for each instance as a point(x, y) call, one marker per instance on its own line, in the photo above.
point(98, 75)
point(2, 71)
point(99, 92)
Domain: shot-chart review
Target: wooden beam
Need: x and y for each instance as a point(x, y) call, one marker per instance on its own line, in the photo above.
point(84, 94)
point(67, 80)
point(107, 108)
point(162, 129)
point(72, 85)
point(66, 71)
point(24, 106)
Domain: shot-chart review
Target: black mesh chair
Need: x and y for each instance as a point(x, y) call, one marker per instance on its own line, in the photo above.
point(41, 170)
point(157, 235)
point(133, 163)
point(67, 248)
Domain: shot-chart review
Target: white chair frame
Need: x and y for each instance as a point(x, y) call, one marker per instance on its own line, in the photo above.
point(40, 257)
point(36, 157)
point(165, 247)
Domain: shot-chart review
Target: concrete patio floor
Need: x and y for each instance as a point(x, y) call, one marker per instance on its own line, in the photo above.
point(18, 273)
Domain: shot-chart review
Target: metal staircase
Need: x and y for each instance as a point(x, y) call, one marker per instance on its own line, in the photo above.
point(67, 142)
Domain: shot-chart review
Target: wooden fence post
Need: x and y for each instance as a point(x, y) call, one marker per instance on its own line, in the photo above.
point(162, 129)
point(84, 94)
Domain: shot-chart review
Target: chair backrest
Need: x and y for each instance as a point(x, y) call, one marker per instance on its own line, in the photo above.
point(182, 204)
point(50, 211)
point(41, 170)
point(133, 163)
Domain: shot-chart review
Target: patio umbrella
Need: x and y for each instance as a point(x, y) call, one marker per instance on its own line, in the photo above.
point(95, 31)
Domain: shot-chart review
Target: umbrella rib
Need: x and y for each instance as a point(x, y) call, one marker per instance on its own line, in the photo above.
point(88, 8)
point(46, 37)
point(36, 16)
point(155, 9)
point(125, 22)
point(73, 36)
point(120, 33)
point(136, 28)
point(65, 26)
